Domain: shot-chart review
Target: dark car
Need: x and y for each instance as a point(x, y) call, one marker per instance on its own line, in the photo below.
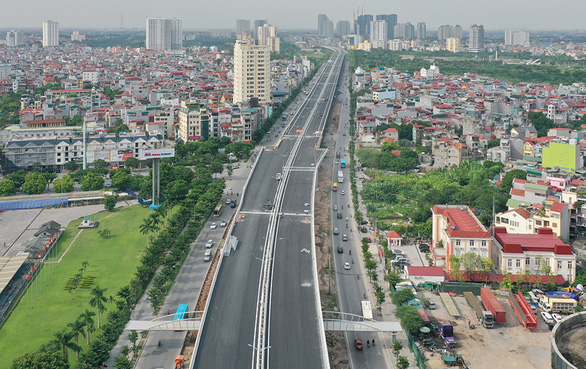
point(339, 216)
point(423, 247)
point(364, 230)
point(363, 222)
point(358, 344)
point(340, 250)
point(233, 204)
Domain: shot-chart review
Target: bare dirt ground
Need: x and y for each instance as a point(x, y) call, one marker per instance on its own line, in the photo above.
point(335, 341)
point(508, 345)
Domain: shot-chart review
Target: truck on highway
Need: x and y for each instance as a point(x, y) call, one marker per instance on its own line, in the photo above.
point(338, 155)
point(493, 305)
point(340, 176)
point(367, 310)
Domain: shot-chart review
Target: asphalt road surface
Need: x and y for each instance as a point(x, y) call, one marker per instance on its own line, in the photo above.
point(295, 339)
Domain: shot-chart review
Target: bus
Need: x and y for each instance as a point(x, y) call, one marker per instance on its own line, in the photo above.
point(218, 210)
point(340, 176)
point(343, 163)
point(181, 310)
point(335, 186)
point(367, 310)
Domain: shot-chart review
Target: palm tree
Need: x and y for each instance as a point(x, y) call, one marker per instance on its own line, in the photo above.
point(146, 227)
point(87, 318)
point(98, 301)
point(156, 221)
point(85, 264)
point(62, 341)
point(77, 328)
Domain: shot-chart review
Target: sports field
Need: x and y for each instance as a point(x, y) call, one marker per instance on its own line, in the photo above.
point(48, 307)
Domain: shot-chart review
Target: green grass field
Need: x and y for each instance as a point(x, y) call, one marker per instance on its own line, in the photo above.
point(112, 261)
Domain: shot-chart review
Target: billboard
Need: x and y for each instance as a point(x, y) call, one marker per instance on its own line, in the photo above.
point(156, 153)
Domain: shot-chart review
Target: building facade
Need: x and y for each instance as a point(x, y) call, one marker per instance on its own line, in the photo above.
point(454, 44)
point(50, 34)
point(391, 20)
point(421, 31)
point(343, 28)
point(516, 38)
point(476, 38)
point(378, 34)
point(251, 71)
point(14, 38)
point(164, 34)
point(242, 25)
point(194, 121)
point(267, 35)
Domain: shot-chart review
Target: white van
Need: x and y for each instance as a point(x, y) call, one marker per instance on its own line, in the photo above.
point(533, 297)
point(547, 318)
point(208, 255)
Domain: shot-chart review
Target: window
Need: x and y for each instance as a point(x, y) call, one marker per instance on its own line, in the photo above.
point(457, 242)
point(555, 225)
point(510, 263)
point(569, 265)
point(538, 222)
point(471, 242)
point(483, 244)
point(527, 261)
point(547, 262)
point(458, 252)
point(560, 265)
point(537, 262)
point(518, 263)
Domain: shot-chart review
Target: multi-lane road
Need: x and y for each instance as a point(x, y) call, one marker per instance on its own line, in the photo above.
point(274, 315)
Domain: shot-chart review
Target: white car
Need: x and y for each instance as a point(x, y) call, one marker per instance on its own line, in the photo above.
point(223, 223)
point(347, 266)
point(556, 317)
point(209, 244)
point(228, 201)
point(547, 318)
point(214, 226)
point(343, 192)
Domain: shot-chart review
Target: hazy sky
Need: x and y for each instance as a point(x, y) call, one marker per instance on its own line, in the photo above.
point(296, 14)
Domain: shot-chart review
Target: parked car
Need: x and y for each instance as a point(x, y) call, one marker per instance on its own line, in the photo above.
point(397, 252)
point(213, 226)
point(432, 305)
point(336, 230)
point(364, 230)
point(363, 222)
point(209, 244)
point(368, 239)
point(223, 223)
point(556, 317)
point(344, 237)
point(347, 266)
point(423, 247)
point(358, 344)
point(547, 318)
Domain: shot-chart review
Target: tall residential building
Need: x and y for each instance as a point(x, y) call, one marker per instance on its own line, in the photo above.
point(259, 23)
point(391, 23)
point(76, 36)
point(405, 30)
point(50, 33)
point(14, 38)
point(194, 121)
point(251, 71)
point(378, 34)
point(476, 38)
point(325, 27)
point(267, 35)
point(446, 31)
point(421, 31)
point(164, 34)
point(516, 38)
point(362, 25)
point(343, 28)
point(242, 25)
point(454, 44)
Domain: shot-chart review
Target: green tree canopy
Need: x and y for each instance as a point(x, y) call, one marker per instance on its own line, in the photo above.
point(109, 202)
point(44, 358)
point(92, 182)
point(7, 187)
point(63, 184)
point(402, 296)
point(121, 179)
point(34, 183)
point(410, 318)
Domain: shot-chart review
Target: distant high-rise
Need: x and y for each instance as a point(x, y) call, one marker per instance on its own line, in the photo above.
point(405, 30)
point(343, 28)
point(476, 38)
point(14, 38)
point(251, 71)
point(362, 25)
point(516, 38)
point(325, 27)
point(421, 31)
point(50, 34)
point(449, 31)
point(259, 23)
point(267, 35)
point(164, 34)
point(378, 34)
point(391, 23)
point(242, 25)
point(454, 44)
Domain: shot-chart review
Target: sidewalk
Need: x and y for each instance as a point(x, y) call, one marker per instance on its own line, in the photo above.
point(143, 309)
point(387, 307)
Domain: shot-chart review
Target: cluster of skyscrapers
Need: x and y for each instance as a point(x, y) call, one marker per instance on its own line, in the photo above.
point(265, 33)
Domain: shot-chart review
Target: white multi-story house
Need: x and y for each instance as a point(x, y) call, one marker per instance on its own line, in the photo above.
point(456, 231)
point(533, 254)
point(530, 219)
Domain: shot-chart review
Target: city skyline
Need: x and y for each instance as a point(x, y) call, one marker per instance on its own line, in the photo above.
point(495, 15)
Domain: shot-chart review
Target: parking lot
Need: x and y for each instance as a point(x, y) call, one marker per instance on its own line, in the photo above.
point(508, 345)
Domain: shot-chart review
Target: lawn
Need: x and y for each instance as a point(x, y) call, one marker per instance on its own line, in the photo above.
point(112, 261)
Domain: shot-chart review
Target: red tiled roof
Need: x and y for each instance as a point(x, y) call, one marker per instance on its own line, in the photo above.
point(544, 241)
point(517, 192)
point(393, 235)
point(557, 207)
point(462, 223)
point(426, 271)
